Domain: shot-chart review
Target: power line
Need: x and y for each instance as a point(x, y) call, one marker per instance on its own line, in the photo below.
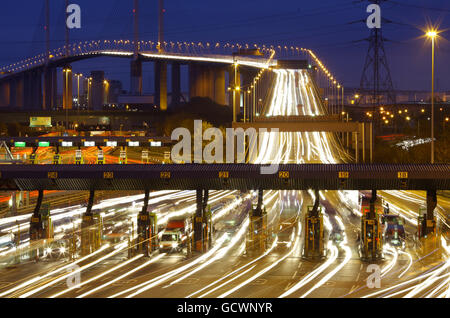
point(420, 7)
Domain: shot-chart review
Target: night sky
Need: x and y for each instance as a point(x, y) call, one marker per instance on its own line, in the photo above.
point(330, 28)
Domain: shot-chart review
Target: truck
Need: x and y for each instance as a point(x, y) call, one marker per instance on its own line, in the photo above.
point(173, 238)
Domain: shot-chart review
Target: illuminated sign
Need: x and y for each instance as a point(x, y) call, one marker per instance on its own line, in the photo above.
point(133, 144)
point(40, 122)
point(44, 144)
point(20, 144)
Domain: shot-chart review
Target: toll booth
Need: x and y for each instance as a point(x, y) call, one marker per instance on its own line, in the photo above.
point(314, 247)
point(147, 233)
point(41, 226)
point(202, 223)
point(167, 159)
point(78, 157)
point(91, 232)
point(145, 157)
point(33, 159)
point(257, 235)
point(123, 156)
point(371, 245)
point(57, 159)
point(100, 157)
point(189, 232)
point(427, 221)
point(208, 229)
point(428, 238)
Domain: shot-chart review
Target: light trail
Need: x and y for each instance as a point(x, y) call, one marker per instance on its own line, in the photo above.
point(36, 279)
point(153, 260)
point(119, 248)
point(98, 276)
point(262, 272)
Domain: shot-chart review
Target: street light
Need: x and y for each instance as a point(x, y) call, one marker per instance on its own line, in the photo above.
point(78, 75)
point(432, 35)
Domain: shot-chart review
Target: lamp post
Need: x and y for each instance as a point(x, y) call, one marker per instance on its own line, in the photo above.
point(432, 34)
point(78, 75)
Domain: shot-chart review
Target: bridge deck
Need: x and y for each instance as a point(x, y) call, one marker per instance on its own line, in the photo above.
point(225, 176)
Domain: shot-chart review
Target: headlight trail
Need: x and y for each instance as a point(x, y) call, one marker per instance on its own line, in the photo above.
point(120, 265)
point(409, 265)
point(232, 273)
point(36, 279)
point(262, 272)
point(390, 266)
point(348, 256)
point(60, 278)
point(220, 252)
point(122, 276)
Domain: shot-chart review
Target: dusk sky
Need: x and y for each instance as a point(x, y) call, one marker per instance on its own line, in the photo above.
point(330, 28)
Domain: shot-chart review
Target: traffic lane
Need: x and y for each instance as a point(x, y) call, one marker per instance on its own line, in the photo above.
point(177, 256)
point(152, 270)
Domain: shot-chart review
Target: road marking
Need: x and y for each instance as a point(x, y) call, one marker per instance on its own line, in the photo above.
point(352, 289)
point(260, 281)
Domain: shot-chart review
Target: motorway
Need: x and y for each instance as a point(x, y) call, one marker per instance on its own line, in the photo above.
point(228, 269)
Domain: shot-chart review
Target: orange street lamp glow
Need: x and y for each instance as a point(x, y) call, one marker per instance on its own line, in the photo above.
point(432, 34)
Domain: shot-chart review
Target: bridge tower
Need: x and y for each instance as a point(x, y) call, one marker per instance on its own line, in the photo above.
point(136, 63)
point(161, 65)
point(67, 71)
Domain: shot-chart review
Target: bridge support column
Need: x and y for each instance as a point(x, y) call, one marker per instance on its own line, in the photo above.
point(314, 246)
point(27, 91)
point(67, 87)
point(219, 86)
point(161, 85)
point(147, 229)
point(91, 228)
point(176, 84)
point(13, 93)
point(136, 77)
point(371, 236)
point(202, 223)
point(50, 89)
point(202, 81)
